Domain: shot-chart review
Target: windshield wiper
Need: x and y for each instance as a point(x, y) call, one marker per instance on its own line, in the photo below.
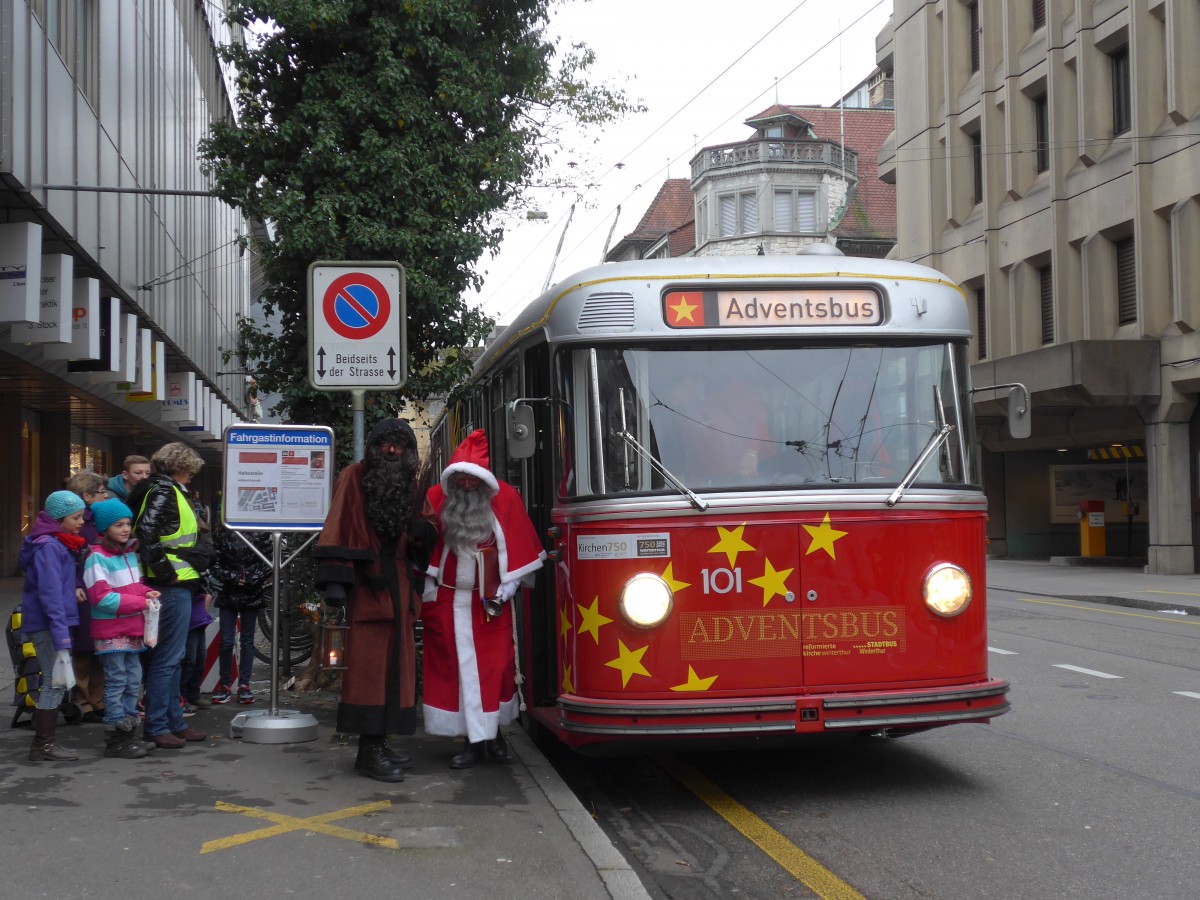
point(699, 502)
point(934, 444)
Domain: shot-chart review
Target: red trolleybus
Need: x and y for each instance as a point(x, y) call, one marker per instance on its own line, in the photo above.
point(760, 490)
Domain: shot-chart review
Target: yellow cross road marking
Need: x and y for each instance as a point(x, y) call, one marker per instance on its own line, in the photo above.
point(284, 824)
point(795, 861)
point(1187, 620)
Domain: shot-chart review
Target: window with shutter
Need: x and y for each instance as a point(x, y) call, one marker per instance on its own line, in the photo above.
point(783, 211)
point(1126, 282)
point(806, 212)
point(981, 321)
point(1039, 14)
point(749, 213)
point(1121, 100)
point(977, 165)
point(728, 215)
point(1047, 284)
point(1041, 125)
point(973, 9)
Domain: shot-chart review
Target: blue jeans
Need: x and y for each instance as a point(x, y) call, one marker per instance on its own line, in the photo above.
point(43, 644)
point(229, 623)
point(191, 670)
point(122, 678)
point(162, 679)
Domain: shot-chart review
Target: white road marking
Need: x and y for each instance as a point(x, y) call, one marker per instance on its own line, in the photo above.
point(1086, 671)
point(1002, 652)
point(1191, 694)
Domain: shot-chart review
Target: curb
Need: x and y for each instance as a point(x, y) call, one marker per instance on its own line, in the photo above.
point(1133, 602)
point(619, 877)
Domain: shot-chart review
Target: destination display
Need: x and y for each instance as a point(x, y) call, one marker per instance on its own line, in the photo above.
point(772, 309)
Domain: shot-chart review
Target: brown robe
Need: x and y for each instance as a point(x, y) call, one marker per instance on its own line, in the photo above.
point(379, 684)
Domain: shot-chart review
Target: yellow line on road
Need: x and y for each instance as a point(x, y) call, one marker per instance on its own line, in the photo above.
point(795, 861)
point(1187, 620)
point(284, 824)
point(1173, 593)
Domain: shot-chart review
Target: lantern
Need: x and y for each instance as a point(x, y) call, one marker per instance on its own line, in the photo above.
point(331, 643)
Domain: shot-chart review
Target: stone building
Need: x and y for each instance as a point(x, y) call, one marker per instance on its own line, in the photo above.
point(1046, 156)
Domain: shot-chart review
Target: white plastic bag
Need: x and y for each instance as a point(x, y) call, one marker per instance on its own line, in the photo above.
point(63, 674)
point(151, 614)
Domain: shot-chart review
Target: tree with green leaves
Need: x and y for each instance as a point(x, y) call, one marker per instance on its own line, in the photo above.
point(389, 130)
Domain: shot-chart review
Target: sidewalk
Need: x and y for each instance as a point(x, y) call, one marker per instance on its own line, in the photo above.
point(1097, 584)
point(223, 817)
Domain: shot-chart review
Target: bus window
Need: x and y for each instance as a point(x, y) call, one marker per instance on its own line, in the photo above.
point(564, 426)
point(738, 417)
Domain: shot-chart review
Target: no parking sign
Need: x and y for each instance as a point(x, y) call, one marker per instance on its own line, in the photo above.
point(356, 318)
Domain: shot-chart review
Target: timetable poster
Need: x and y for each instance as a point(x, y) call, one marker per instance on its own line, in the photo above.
point(277, 477)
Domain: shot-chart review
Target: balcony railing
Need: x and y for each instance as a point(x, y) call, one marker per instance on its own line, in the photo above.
point(775, 152)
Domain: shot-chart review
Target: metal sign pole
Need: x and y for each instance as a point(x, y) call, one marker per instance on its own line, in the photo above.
point(275, 648)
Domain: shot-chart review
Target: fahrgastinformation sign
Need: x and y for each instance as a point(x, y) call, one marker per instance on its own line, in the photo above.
point(356, 326)
point(277, 477)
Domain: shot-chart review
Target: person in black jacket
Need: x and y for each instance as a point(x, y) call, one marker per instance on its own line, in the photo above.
point(241, 581)
point(173, 559)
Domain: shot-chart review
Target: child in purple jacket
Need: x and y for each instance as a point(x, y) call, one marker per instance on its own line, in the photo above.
point(50, 558)
point(113, 577)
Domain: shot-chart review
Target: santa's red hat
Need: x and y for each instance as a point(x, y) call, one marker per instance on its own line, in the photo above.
point(471, 458)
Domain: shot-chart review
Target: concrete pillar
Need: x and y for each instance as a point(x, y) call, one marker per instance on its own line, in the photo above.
point(1168, 452)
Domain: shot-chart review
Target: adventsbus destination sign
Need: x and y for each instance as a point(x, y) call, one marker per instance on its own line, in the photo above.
point(771, 309)
point(277, 477)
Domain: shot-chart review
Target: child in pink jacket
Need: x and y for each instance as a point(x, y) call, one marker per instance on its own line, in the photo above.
point(113, 578)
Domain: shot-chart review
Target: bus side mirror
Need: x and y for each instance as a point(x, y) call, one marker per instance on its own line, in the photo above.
point(1020, 418)
point(520, 430)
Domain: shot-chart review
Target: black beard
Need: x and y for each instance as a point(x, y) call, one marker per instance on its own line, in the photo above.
point(388, 485)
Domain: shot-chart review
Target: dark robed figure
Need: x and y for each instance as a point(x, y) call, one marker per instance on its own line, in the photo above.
point(362, 562)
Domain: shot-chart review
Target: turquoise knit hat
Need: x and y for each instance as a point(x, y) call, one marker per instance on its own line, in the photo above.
point(61, 504)
point(106, 512)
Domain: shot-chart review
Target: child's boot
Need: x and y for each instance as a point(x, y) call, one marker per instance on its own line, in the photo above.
point(43, 746)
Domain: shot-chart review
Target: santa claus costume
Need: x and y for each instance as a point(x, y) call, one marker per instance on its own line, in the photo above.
point(469, 657)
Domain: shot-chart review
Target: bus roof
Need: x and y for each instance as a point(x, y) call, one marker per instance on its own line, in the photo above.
point(627, 300)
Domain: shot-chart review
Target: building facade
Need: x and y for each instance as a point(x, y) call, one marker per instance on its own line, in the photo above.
point(104, 218)
point(806, 175)
point(1046, 156)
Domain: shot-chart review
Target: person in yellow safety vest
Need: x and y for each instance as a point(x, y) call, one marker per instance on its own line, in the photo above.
point(173, 559)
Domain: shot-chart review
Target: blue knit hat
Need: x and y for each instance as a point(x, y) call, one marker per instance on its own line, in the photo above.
point(106, 512)
point(61, 504)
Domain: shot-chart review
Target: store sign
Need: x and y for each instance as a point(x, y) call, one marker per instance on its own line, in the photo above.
point(54, 308)
point(85, 323)
point(20, 272)
point(108, 362)
point(181, 390)
point(157, 373)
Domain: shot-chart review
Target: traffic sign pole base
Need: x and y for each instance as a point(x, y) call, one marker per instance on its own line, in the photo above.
point(286, 726)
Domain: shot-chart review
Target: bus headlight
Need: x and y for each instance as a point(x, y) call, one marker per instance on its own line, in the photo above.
point(947, 590)
point(646, 600)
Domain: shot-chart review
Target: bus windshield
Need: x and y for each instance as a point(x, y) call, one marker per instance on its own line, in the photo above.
point(763, 417)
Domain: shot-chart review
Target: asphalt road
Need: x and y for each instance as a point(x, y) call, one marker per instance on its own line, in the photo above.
point(1089, 788)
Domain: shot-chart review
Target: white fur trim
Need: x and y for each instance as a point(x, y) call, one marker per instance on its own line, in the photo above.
point(470, 468)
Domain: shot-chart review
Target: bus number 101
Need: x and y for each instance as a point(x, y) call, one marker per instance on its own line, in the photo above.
point(722, 581)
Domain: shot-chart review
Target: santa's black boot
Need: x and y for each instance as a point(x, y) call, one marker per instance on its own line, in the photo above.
point(472, 755)
point(497, 749)
point(373, 760)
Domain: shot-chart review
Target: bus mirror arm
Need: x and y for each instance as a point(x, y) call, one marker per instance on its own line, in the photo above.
point(935, 442)
point(699, 502)
point(1020, 423)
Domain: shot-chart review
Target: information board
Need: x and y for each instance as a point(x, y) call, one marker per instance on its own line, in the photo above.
point(277, 477)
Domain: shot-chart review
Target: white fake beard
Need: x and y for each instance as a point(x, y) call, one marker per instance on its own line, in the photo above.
point(467, 518)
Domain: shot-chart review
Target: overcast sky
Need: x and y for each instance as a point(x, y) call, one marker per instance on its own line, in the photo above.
point(665, 53)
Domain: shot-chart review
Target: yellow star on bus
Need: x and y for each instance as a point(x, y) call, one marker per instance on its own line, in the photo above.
point(695, 682)
point(731, 543)
point(629, 663)
point(669, 577)
point(823, 537)
point(772, 582)
point(683, 310)
point(592, 620)
point(568, 686)
point(564, 622)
